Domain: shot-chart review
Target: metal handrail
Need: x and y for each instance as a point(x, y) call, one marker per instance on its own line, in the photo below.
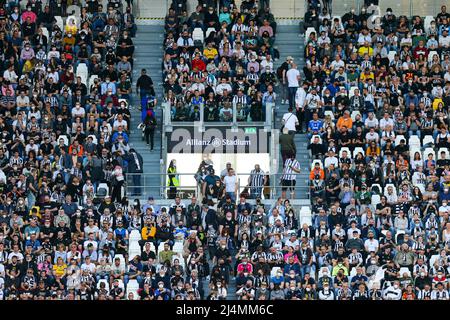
point(162, 188)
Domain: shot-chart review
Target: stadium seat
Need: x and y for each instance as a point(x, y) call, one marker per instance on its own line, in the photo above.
point(428, 139)
point(45, 32)
point(60, 23)
point(92, 79)
point(274, 271)
point(94, 138)
point(399, 233)
point(351, 92)
point(316, 135)
point(431, 55)
point(386, 189)
point(354, 113)
point(391, 55)
point(447, 153)
point(65, 138)
point(197, 36)
point(427, 151)
point(178, 247)
point(427, 22)
point(358, 150)
point(82, 71)
point(133, 286)
point(349, 153)
point(376, 199)
point(135, 235)
point(122, 259)
point(413, 150)
point(433, 259)
point(403, 271)
point(399, 138)
point(102, 190)
point(378, 186)
point(414, 141)
point(209, 30)
point(308, 33)
point(105, 282)
point(316, 161)
point(329, 113)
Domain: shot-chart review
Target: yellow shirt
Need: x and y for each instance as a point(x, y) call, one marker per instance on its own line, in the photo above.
point(210, 53)
point(436, 102)
point(59, 270)
point(365, 77)
point(363, 50)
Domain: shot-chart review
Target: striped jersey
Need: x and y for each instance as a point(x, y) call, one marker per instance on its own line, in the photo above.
point(289, 173)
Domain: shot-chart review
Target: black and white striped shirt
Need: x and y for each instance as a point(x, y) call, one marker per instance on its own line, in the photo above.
point(257, 178)
point(289, 173)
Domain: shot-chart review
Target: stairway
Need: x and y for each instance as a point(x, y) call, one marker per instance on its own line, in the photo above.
point(290, 43)
point(148, 54)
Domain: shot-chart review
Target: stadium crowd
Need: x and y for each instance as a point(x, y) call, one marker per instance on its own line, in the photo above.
point(374, 101)
point(232, 73)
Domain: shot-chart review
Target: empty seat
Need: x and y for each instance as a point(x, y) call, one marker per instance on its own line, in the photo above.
point(414, 141)
point(376, 199)
point(102, 190)
point(135, 235)
point(428, 139)
point(391, 55)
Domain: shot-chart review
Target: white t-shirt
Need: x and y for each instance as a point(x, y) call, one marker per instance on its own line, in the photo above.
point(291, 76)
point(372, 245)
point(289, 120)
point(230, 183)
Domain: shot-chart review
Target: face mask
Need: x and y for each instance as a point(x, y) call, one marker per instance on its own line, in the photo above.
point(396, 286)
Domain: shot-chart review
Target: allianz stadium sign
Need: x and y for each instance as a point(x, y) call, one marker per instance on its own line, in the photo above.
point(218, 140)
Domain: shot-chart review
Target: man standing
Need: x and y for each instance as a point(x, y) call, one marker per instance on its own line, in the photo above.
point(135, 163)
point(287, 145)
point(144, 85)
point(288, 180)
point(256, 181)
point(290, 121)
point(293, 77)
point(231, 184)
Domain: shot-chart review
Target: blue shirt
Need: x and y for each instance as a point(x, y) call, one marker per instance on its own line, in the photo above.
point(315, 125)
